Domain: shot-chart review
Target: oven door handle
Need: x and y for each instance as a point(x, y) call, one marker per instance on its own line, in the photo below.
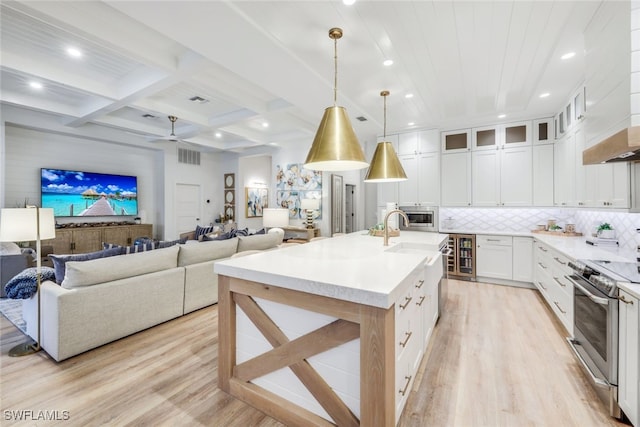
point(597, 381)
point(592, 297)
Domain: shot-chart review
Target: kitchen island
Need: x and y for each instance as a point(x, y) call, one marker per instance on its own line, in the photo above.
point(329, 332)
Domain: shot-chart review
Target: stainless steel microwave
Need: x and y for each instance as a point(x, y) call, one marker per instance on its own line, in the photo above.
point(421, 218)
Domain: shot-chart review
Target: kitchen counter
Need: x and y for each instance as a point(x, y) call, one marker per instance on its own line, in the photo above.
point(330, 332)
point(355, 267)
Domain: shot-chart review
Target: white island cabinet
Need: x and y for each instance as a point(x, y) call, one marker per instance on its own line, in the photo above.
point(629, 353)
point(330, 332)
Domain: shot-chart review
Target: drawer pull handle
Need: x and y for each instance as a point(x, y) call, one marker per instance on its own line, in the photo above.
point(406, 340)
point(542, 265)
point(559, 282)
point(558, 260)
point(406, 303)
point(422, 298)
point(542, 249)
point(420, 283)
point(559, 308)
point(543, 286)
point(624, 300)
point(406, 386)
point(493, 240)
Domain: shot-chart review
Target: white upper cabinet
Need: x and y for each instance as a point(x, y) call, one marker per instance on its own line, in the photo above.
point(543, 131)
point(455, 182)
point(501, 136)
point(502, 177)
point(542, 175)
point(456, 140)
point(419, 155)
point(485, 138)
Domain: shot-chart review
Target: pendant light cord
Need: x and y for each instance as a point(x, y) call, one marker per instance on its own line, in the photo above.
point(335, 71)
point(384, 126)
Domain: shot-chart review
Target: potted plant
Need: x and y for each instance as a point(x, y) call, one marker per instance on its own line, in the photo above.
point(606, 231)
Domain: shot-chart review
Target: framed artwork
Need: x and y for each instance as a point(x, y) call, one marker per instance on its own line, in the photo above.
point(256, 200)
point(337, 198)
point(229, 197)
point(292, 200)
point(229, 180)
point(294, 177)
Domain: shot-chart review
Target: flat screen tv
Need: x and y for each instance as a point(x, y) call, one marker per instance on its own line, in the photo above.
point(77, 193)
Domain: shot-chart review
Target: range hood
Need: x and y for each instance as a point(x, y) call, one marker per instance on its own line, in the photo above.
point(623, 146)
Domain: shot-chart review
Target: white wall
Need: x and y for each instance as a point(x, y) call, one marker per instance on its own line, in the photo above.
point(253, 171)
point(28, 150)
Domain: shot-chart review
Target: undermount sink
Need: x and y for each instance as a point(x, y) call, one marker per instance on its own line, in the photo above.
point(408, 248)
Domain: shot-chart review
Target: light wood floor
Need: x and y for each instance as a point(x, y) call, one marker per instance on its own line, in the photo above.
point(497, 358)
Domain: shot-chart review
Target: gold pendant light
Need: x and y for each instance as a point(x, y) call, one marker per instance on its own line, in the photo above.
point(335, 147)
point(385, 165)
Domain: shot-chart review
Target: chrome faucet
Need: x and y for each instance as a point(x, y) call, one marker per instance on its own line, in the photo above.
point(386, 223)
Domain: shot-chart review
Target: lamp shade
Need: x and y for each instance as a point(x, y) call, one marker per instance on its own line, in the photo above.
point(309, 204)
point(335, 147)
point(21, 224)
point(275, 217)
point(385, 165)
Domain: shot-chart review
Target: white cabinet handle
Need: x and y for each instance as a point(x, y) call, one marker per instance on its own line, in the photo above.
point(558, 260)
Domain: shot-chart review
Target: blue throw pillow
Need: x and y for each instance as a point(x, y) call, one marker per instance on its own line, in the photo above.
point(201, 231)
point(166, 244)
point(60, 261)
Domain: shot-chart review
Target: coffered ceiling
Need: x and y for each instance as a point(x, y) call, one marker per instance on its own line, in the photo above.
point(262, 72)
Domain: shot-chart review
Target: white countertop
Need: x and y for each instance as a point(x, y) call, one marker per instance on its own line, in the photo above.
point(573, 247)
point(354, 267)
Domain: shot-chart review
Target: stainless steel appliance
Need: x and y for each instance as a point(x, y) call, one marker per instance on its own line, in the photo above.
point(421, 218)
point(595, 305)
point(462, 263)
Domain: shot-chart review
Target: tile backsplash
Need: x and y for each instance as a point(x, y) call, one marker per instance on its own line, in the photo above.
point(522, 220)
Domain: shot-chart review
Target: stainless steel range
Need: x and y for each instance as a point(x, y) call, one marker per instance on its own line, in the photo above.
point(596, 322)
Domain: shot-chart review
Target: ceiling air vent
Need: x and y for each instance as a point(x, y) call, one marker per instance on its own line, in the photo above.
point(361, 118)
point(148, 116)
point(188, 157)
point(198, 99)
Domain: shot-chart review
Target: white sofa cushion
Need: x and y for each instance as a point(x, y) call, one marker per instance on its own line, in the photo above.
point(259, 242)
point(206, 251)
point(87, 273)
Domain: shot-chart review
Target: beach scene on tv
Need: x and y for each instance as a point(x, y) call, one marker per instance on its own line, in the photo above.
point(76, 193)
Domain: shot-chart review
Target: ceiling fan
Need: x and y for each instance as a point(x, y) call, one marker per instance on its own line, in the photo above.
point(172, 136)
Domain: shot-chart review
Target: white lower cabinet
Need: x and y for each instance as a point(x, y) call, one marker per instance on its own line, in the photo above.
point(523, 259)
point(550, 269)
point(494, 256)
point(628, 357)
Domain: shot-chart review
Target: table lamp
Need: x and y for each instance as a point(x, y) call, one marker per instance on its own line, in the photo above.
point(274, 218)
point(26, 225)
point(309, 205)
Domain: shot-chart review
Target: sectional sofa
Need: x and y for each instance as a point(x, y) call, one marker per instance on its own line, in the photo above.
point(102, 300)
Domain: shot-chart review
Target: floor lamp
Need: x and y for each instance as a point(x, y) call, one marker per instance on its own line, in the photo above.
point(27, 225)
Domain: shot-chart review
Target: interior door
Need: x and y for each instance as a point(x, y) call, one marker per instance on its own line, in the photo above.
point(349, 209)
point(187, 207)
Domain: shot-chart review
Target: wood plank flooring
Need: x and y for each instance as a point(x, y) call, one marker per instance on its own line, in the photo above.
point(497, 358)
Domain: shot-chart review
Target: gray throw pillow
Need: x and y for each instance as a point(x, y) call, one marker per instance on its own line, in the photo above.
point(60, 261)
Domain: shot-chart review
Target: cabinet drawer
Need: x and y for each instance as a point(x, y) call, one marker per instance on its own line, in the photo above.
point(494, 240)
point(562, 306)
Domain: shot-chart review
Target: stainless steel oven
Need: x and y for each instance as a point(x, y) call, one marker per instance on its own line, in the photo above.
point(421, 218)
point(595, 341)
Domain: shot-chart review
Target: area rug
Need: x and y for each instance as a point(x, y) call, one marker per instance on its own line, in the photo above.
point(12, 310)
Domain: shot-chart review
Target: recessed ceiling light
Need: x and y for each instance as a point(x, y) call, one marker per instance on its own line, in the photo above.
point(218, 135)
point(544, 95)
point(265, 124)
point(348, 2)
point(74, 52)
point(387, 62)
point(409, 95)
point(410, 124)
point(35, 85)
point(502, 116)
point(568, 55)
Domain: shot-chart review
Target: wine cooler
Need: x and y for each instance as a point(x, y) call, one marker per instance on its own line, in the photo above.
point(462, 264)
